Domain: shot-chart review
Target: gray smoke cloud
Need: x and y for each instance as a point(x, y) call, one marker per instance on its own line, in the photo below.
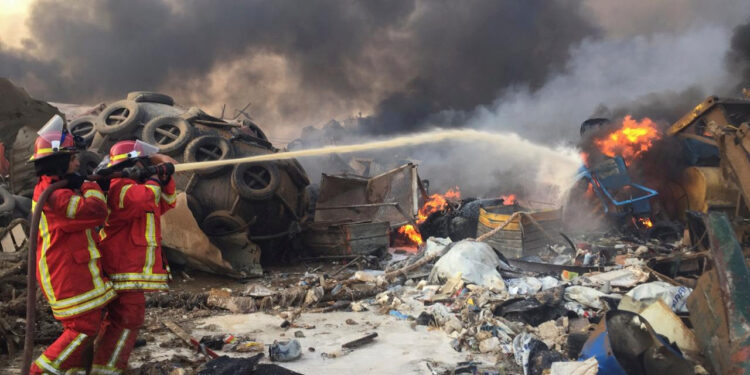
point(739, 57)
point(537, 68)
point(297, 62)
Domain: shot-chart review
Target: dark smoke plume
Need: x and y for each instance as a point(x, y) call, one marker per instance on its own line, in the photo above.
point(739, 56)
point(402, 60)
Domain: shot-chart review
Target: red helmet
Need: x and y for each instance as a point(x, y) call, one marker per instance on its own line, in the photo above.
point(53, 140)
point(129, 150)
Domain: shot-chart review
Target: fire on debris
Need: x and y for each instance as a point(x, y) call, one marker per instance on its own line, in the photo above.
point(409, 234)
point(630, 140)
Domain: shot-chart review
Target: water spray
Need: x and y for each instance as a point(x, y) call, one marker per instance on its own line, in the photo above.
point(402, 141)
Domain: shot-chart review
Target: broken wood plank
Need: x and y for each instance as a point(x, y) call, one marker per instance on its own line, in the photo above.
point(360, 342)
point(177, 330)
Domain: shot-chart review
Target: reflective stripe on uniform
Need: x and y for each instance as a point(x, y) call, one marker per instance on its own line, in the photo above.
point(70, 213)
point(93, 263)
point(90, 305)
point(122, 195)
point(157, 193)
point(72, 346)
point(95, 194)
point(43, 269)
point(140, 285)
point(104, 370)
point(45, 364)
point(151, 243)
point(41, 152)
point(118, 348)
point(83, 297)
point(169, 198)
point(138, 277)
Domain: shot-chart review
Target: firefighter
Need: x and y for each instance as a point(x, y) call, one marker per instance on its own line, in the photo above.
point(68, 259)
point(131, 246)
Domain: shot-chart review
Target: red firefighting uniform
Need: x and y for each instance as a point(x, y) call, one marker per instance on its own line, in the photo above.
point(69, 271)
point(132, 258)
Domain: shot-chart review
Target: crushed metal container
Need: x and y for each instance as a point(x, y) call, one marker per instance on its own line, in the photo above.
point(360, 238)
point(521, 237)
point(720, 304)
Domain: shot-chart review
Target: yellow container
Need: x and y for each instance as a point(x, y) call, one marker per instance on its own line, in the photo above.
point(521, 237)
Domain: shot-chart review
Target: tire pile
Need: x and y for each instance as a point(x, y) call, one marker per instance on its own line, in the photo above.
point(262, 203)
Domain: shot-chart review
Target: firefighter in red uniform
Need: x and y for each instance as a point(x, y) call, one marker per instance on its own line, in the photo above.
point(68, 258)
point(131, 246)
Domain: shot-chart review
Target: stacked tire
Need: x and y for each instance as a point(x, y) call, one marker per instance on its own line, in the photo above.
point(267, 200)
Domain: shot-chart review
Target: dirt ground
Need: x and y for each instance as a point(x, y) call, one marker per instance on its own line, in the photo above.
point(407, 347)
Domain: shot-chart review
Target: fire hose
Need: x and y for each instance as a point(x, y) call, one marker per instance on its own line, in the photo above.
point(133, 172)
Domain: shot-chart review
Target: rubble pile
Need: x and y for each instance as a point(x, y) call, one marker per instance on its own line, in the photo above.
point(527, 320)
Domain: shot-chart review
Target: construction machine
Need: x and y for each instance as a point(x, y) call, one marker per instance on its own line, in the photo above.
point(715, 138)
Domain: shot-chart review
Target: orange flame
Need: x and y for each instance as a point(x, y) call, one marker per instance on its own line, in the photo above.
point(434, 203)
point(508, 200)
point(645, 222)
point(437, 202)
point(630, 140)
point(411, 233)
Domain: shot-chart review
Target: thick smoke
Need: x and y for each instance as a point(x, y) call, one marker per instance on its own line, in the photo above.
point(613, 77)
point(297, 62)
point(739, 56)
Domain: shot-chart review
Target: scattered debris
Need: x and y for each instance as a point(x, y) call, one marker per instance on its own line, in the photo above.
point(360, 342)
point(284, 351)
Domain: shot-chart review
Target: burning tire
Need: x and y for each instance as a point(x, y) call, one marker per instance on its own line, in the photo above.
point(255, 181)
point(170, 133)
point(84, 127)
point(120, 118)
point(208, 148)
point(222, 223)
point(7, 202)
point(150, 97)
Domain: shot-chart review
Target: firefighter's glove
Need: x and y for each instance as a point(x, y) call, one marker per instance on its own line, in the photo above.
point(136, 173)
point(164, 171)
point(75, 180)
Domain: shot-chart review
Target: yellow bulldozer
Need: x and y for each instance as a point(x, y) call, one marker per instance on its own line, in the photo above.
point(715, 138)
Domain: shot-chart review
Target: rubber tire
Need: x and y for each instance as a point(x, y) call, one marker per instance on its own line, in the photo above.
point(150, 97)
point(297, 173)
point(256, 129)
point(85, 127)
point(192, 113)
point(192, 149)
point(195, 207)
point(22, 175)
point(222, 222)
point(89, 160)
point(128, 125)
point(183, 137)
point(7, 201)
point(269, 172)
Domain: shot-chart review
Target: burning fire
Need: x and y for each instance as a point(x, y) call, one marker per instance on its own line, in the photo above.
point(434, 203)
point(508, 200)
point(631, 140)
point(411, 233)
point(437, 202)
point(645, 222)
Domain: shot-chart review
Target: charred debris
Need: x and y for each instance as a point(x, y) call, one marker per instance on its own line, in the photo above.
point(640, 269)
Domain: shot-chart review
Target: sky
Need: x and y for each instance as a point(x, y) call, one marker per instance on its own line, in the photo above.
point(533, 67)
